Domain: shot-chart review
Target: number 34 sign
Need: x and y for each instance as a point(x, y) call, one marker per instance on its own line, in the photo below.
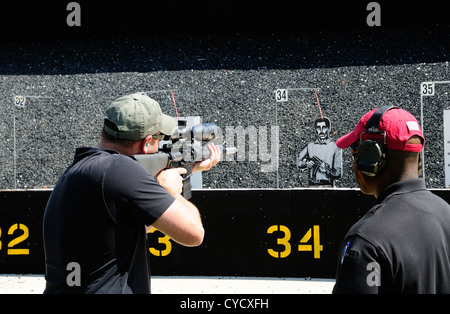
point(284, 247)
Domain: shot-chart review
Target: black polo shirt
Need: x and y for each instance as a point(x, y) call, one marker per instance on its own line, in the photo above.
point(96, 217)
point(402, 244)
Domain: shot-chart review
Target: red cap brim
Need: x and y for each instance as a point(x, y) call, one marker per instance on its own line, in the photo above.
point(348, 139)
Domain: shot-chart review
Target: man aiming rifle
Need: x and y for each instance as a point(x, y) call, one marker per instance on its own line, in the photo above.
point(101, 205)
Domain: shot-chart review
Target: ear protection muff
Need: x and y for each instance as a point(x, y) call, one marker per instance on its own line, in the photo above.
point(371, 157)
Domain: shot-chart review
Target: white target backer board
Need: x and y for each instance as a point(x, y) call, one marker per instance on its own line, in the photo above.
point(447, 147)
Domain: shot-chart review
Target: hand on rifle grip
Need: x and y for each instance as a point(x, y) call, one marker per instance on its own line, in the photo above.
point(171, 180)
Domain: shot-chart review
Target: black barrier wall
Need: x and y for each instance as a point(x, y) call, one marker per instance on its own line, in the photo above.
point(267, 233)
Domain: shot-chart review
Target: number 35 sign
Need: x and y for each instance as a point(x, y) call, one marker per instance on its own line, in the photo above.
point(427, 89)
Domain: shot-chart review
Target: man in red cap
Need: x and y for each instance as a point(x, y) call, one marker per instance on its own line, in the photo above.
point(402, 244)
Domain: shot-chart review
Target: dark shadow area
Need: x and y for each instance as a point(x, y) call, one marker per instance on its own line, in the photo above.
point(143, 36)
point(245, 51)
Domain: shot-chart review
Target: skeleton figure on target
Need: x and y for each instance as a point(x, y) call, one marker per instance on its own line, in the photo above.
point(321, 157)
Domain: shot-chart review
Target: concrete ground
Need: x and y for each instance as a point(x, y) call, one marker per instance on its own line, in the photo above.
point(35, 284)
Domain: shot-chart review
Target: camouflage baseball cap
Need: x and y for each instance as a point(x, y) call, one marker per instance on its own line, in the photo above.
point(133, 117)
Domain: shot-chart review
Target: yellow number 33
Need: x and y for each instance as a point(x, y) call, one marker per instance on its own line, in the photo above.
point(163, 240)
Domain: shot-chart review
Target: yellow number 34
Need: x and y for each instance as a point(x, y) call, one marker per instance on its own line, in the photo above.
point(302, 247)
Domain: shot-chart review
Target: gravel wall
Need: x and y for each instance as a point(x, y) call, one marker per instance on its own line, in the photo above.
point(225, 78)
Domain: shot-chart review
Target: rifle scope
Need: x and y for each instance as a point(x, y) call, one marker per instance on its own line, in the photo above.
point(200, 132)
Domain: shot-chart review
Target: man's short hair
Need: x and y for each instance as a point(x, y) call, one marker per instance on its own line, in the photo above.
point(324, 119)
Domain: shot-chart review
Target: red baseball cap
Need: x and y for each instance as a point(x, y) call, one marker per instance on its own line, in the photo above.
point(399, 126)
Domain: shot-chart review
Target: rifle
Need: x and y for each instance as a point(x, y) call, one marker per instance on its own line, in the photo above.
point(186, 146)
point(330, 172)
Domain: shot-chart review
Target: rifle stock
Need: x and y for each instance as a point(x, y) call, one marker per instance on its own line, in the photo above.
point(156, 162)
point(153, 163)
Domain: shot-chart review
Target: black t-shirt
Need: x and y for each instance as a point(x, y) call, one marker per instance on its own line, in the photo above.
point(402, 244)
point(96, 217)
